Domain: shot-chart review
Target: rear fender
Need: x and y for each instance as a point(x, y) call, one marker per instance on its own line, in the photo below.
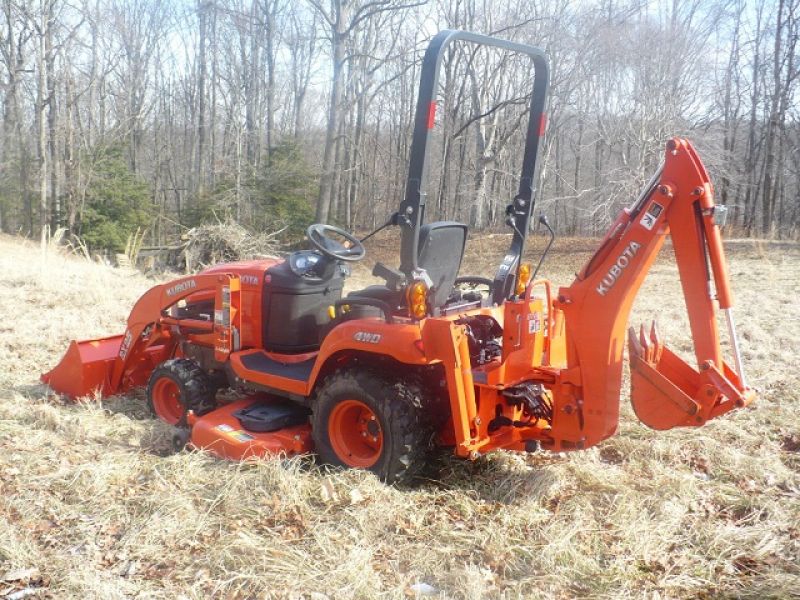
point(401, 342)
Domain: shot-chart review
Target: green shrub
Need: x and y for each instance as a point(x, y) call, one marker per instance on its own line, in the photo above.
point(117, 203)
point(279, 195)
point(285, 191)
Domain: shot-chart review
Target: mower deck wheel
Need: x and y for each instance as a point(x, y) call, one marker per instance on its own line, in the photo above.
point(369, 421)
point(177, 386)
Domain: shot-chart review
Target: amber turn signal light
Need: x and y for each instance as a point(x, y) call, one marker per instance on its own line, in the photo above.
point(524, 278)
point(417, 297)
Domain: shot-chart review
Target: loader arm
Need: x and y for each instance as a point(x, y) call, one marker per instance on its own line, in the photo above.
point(116, 364)
point(665, 391)
point(149, 310)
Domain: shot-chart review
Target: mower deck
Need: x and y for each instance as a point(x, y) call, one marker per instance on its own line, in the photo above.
point(224, 434)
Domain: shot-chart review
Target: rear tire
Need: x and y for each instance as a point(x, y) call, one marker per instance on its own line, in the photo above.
point(177, 386)
point(363, 420)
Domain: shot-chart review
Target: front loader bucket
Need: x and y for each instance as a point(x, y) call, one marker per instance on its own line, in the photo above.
point(666, 392)
point(85, 368)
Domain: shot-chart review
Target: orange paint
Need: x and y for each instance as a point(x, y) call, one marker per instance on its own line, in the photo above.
point(556, 380)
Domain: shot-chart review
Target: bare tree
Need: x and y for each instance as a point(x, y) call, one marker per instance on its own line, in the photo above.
point(342, 17)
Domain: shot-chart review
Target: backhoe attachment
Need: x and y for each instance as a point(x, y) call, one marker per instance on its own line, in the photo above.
point(666, 392)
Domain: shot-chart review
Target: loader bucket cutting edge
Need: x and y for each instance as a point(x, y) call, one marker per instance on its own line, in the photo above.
point(85, 368)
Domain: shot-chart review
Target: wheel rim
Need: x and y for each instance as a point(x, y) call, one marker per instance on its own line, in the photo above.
point(355, 434)
point(166, 397)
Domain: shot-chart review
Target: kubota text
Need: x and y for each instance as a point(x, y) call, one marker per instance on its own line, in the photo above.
point(616, 269)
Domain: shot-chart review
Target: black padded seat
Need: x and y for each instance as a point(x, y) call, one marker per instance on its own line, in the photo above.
point(393, 299)
point(440, 252)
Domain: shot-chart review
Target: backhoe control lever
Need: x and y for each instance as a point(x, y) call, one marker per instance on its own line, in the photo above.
point(483, 335)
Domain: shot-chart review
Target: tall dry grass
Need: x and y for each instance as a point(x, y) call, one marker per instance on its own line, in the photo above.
point(92, 499)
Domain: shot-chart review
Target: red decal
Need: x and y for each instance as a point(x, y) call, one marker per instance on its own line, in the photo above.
point(431, 114)
point(542, 124)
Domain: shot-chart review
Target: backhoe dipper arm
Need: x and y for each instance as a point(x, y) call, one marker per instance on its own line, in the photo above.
point(665, 391)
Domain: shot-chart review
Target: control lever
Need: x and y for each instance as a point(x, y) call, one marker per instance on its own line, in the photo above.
point(543, 221)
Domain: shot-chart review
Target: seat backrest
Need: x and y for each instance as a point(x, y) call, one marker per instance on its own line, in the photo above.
point(441, 250)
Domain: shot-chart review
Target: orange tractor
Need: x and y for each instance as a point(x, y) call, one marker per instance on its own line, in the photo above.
point(375, 379)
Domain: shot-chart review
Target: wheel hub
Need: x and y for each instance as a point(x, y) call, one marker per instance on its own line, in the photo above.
point(355, 434)
point(166, 397)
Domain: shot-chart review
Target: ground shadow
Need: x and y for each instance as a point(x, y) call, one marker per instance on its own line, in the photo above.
point(493, 477)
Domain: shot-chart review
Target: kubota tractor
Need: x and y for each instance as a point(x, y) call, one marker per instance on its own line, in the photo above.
point(374, 379)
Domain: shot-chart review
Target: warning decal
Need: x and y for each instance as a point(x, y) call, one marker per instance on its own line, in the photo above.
point(236, 434)
point(649, 218)
point(534, 324)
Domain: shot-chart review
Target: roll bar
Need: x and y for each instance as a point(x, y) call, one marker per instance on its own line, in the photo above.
point(412, 208)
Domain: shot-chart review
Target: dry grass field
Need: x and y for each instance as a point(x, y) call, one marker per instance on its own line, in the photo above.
point(93, 504)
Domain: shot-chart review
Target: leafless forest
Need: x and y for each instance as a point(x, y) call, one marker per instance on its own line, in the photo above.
point(161, 114)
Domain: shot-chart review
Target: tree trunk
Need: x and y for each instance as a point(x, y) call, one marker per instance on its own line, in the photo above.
point(202, 68)
point(52, 117)
point(329, 165)
point(41, 101)
point(772, 127)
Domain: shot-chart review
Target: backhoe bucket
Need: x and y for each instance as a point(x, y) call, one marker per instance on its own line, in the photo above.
point(666, 392)
point(85, 368)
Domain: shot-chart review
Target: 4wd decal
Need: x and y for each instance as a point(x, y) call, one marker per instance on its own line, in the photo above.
point(650, 217)
point(366, 336)
point(618, 267)
point(181, 287)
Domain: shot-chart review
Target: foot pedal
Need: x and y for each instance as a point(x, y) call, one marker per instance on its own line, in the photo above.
point(264, 418)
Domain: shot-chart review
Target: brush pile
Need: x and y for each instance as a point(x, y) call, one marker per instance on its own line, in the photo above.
point(223, 242)
point(207, 245)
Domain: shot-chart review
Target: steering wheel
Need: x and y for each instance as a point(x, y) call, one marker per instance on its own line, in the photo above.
point(318, 235)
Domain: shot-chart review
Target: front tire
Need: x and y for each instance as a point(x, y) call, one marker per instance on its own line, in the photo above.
point(365, 421)
point(177, 386)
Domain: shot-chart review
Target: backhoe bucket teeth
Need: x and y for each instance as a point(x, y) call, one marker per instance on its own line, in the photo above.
point(85, 368)
point(666, 392)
